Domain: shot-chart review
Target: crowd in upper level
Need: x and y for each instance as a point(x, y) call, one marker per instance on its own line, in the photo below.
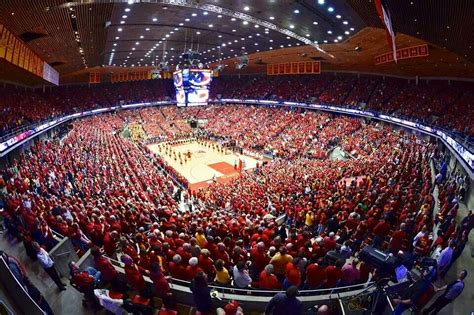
point(20, 107)
point(435, 102)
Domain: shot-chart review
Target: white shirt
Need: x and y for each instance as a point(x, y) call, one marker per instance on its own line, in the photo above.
point(44, 259)
point(241, 279)
point(110, 304)
point(445, 257)
point(418, 236)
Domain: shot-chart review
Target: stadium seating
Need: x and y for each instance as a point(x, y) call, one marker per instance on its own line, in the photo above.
point(97, 182)
point(433, 102)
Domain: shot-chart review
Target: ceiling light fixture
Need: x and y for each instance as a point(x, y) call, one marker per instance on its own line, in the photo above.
point(246, 8)
point(331, 9)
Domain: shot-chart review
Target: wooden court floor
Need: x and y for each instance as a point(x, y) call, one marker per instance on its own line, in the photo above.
point(206, 162)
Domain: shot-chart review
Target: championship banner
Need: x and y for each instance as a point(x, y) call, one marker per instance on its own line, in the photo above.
point(131, 75)
point(403, 53)
point(15, 51)
point(301, 67)
point(94, 77)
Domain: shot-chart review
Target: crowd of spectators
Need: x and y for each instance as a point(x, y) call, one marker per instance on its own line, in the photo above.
point(436, 102)
point(106, 191)
point(20, 106)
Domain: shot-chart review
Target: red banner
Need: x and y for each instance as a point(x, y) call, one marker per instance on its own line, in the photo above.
point(403, 53)
point(16, 52)
point(301, 67)
point(131, 75)
point(94, 77)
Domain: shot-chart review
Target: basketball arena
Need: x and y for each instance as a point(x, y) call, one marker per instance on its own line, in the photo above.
point(236, 157)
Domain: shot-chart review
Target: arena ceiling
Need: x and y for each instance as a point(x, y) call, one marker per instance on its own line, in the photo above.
point(73, 35)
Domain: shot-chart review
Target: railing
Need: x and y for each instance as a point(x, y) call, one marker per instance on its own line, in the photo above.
point(466, 157)
point(256, 299)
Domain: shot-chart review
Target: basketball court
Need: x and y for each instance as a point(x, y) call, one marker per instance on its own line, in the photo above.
point(201, 163)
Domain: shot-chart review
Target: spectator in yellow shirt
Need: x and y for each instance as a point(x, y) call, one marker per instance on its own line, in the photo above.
point(309, 218)
point(279, 262)
point(201, 238)
point(222, 274)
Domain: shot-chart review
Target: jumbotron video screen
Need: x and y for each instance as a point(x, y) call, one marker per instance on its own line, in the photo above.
point(192, 86)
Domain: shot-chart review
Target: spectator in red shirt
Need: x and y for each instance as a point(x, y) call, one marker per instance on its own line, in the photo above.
point(160, 284)
point(380, 231)
point(330, 242)
point(334, 274)
point(397, 239)
point(206, 263)
point(315, 275)
point(292, 274)
point(259, 259)
point(176, 269)
point(192, 269)
point(134, 277)
point(267, 280)
point(102, 264)
point(110, 243)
